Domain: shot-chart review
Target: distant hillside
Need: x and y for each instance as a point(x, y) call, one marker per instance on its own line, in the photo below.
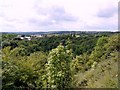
point(59, 32)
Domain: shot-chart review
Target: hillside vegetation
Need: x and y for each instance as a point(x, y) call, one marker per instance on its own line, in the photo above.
point(60, 61)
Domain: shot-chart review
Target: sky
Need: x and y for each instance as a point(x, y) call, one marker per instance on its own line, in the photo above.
point(58, 15)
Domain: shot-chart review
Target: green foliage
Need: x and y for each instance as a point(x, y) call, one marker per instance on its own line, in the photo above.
point(82, 44)
point(58, 67)
point(80, 61)
point(104, 72)
point(6, 53)
point(98, 51)
point(8, 36)
point(24, 72)
point(104, 75)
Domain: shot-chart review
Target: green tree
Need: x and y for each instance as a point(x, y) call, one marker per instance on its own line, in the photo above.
point(58, 68)
point(79, 63)
point(22, 71)
point(98, 51)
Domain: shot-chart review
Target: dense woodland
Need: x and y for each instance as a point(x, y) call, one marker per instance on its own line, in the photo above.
point(85, 60)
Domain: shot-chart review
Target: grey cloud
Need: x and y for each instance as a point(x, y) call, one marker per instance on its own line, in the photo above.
point(40, 22)
point(107, 12)
point(8, 27)
point(59, 14)
point(54, 15)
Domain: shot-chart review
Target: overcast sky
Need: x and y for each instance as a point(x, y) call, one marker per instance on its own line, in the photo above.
point(57, 15)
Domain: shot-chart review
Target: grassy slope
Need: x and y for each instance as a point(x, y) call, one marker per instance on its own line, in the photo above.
point(105, 73)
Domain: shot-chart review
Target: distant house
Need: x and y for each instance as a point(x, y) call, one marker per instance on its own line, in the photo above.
point(23, 37)
point(28, 38)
